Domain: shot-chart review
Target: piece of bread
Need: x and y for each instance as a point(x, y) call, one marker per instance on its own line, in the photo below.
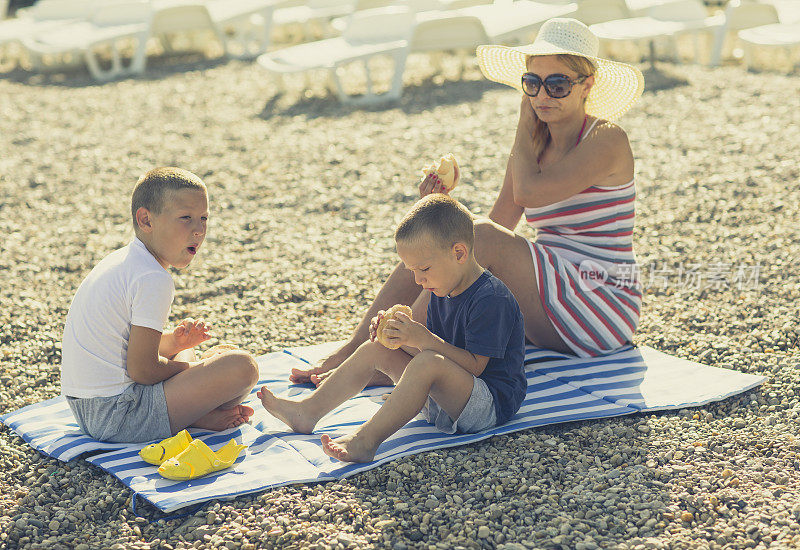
point(379, 336)
point(219, 348)
point(446, 170)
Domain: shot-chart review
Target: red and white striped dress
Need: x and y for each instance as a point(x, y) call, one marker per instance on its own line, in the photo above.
point(586, 268)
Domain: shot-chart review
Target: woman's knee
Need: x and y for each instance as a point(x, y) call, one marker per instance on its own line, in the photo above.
point(490, 239)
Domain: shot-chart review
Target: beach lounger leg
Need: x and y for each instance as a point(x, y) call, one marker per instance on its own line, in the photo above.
point(94, 66)
point(139, 60)
point(338, 84)
point(399, 68)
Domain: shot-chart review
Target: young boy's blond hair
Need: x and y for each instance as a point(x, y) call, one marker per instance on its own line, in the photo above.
point(152, 187)
point(439, 218)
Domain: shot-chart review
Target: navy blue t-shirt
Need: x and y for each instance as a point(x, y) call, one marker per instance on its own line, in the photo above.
point(485, 320)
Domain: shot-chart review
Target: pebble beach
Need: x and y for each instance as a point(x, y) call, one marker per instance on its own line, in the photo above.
point(305, 194)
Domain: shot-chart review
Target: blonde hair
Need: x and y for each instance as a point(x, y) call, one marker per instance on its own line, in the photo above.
point(541, 133)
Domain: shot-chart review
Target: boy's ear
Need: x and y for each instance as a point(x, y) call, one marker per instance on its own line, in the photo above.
point(461, 252)
point(144, 219)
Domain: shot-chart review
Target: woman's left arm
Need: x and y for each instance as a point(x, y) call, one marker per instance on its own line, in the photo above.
point(604, 153)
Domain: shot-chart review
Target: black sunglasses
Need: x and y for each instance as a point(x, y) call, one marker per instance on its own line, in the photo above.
point(556, 85)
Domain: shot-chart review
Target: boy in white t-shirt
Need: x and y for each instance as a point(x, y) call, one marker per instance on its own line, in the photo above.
point(125, 378)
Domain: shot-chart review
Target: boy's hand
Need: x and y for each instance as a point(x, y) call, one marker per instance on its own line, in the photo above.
point(189, 333)
point(403, 330)
point(373, 325)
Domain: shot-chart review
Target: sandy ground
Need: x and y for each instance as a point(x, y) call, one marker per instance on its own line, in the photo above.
point(305, 195)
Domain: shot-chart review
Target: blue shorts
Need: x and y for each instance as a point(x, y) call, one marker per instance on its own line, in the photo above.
point(136, 415)
point(478, 414)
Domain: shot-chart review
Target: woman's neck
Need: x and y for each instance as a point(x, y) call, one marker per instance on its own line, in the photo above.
point(564, 133)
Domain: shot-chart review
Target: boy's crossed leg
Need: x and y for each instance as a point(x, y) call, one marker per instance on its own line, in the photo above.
point(416, 377)
point(209, 394)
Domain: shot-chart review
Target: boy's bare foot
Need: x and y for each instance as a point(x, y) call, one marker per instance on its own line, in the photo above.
point(300, 376)
point(221, 419)
point(289, 412)
point(348, 448)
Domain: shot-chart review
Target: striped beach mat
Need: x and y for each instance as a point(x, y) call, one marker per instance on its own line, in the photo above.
point(561, 388)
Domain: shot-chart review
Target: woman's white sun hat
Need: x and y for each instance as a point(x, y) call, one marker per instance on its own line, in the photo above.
point(616, 87)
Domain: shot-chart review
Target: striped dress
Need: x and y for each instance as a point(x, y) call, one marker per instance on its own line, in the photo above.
point(586, 269)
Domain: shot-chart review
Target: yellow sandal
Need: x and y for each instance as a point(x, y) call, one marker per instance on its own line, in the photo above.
point(157, 453)
point(199, 460)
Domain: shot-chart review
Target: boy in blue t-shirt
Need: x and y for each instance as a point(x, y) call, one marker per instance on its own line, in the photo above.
point(463, 368)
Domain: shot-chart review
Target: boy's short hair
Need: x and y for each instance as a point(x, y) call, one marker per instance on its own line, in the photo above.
point(151, 188)
point(439, 218)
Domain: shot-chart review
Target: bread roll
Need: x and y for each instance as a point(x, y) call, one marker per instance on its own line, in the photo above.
point(380, 337)
point(445, 169)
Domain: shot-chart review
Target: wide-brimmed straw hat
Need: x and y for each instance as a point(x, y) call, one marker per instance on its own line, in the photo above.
point(616, 87)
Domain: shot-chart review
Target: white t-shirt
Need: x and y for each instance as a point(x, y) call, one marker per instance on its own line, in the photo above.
point(128, 287)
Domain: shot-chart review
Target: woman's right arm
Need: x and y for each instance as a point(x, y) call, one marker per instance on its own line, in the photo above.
point(505, 211)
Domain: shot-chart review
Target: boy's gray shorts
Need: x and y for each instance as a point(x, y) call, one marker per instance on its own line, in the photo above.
point(478, 413)
point(136, 415)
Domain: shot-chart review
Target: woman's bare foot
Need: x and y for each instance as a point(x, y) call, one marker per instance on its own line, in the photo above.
point(291, 413)
point(301, 376)
point(221, 419)
point(317, 379)
point(378, 379)
point(348, 448)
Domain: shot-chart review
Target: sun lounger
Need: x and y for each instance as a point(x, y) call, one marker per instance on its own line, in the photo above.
point(313, 17)
point(516, 22)
point(383, 31)
point(779, 36)
point(242, 27)
point(245, 25)
point(42, 17)
point(109, 25)
point(423, 31)
point(665, 22)
point(597, 11)
point(740, 15)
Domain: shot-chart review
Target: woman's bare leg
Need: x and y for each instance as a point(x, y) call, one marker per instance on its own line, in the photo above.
point(399, 288)
point(507, 255)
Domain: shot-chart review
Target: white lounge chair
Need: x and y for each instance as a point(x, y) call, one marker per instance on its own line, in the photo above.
point(516, 22)
point(242, 27)
point(665, 23)
point(245, 25)
point(383, 31)
point(590, 12)
point(740, 15)
point(788, 10)
point(779, 36)
point(640, 8)
point(427, 31)
point(41, 17)
point(314, 17)
point(111, 24)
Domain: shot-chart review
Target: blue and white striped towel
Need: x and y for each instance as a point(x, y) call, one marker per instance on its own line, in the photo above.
point(561, 388)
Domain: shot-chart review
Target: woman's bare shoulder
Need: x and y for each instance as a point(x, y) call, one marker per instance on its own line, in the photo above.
point(607, 130)
point(610, 141)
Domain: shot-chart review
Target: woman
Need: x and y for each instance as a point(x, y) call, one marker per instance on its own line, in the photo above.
point(570, 172)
